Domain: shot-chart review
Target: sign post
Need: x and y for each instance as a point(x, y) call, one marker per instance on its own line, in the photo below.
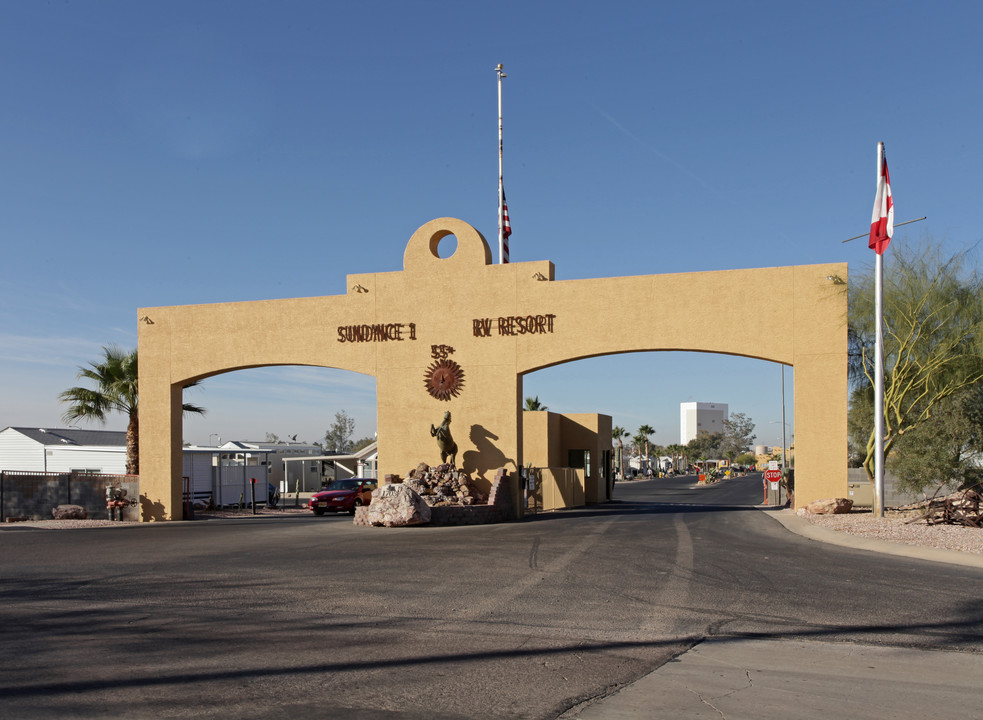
point(772, 480)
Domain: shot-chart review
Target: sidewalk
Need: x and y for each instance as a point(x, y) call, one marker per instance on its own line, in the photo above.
point(790, 679)
point(787, 680)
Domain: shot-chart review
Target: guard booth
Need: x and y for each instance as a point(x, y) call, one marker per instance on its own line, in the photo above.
point(571, 454)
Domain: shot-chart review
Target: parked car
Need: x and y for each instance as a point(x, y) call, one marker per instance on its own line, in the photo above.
point(343, 495)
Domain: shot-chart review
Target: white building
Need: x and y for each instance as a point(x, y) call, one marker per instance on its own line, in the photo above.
point(60, 450)
point(227, 473)
point(309, 473)
point(266, 455)
point(695, 417)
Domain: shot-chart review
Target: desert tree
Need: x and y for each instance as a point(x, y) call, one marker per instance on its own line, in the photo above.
point(932, 316)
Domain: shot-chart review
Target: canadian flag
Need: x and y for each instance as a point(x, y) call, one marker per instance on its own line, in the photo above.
point(882, 219)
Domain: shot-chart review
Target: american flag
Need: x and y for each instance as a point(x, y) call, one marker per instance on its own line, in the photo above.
point(506, 229)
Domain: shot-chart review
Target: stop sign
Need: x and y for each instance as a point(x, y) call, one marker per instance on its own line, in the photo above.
point(773, 475)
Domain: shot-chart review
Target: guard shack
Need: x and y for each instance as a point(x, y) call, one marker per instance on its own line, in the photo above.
point(458, 333)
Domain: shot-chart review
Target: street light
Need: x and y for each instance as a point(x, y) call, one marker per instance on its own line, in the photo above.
point(215, 435)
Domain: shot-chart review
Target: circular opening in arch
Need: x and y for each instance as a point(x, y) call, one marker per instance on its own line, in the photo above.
point(443, 246)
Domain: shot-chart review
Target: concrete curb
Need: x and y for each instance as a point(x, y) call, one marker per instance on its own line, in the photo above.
point(806, 529)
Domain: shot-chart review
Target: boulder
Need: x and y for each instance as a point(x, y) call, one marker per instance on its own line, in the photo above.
point(69, 512)
point(832, 506)
point(397, 506)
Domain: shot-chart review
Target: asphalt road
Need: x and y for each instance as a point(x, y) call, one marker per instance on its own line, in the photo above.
point(314, 617)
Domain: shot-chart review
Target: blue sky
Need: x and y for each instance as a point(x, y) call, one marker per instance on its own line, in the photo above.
point(208, 151)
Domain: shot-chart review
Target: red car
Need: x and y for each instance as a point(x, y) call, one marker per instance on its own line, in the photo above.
point(343, 495)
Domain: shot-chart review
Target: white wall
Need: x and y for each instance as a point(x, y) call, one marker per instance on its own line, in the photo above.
point(19, 452)
point(198, 467)
point(697, 416)
point(109, 460)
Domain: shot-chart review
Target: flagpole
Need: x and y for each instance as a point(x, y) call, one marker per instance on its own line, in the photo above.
point(879, 366)
point(501, 186)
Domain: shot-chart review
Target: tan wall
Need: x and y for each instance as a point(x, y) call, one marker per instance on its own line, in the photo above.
point(548, 437)
point(589, 431)
point(541, 438)
point(457, 303)
point(562, 487)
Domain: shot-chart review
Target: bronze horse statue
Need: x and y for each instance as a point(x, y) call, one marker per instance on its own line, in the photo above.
point(448, 448)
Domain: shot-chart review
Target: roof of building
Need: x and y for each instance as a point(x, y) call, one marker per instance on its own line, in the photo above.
point(272, 445)
point(73, 436)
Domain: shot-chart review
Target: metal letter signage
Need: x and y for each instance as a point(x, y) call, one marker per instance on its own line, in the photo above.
point(380, 332)
point(514, 325)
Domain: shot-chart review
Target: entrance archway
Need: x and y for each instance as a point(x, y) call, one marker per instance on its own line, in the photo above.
point(457, 333)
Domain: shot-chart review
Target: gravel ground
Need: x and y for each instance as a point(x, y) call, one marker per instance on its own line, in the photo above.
point(894, 527)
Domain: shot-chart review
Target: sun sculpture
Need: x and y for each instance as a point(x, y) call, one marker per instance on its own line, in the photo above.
point(444, 379)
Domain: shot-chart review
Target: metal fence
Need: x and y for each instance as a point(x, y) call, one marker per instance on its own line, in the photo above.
point(34, 495)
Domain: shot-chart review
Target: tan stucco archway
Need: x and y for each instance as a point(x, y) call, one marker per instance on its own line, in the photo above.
point(491, 324)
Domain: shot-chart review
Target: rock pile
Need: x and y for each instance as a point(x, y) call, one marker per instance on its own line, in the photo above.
point(444, 485)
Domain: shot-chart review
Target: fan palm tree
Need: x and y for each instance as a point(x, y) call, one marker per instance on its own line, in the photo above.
point(638, 440)
point(676, 451)
point(618, 432)
point(533, 405)
point(644, 431)
point(115, 379)
point(658, 451)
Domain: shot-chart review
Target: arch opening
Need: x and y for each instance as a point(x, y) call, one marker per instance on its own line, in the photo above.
point(261, 420)
point(648, 388)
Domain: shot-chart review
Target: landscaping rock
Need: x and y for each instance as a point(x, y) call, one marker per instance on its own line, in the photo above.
point(69, 512)
point(397, 506)
point(832, 506)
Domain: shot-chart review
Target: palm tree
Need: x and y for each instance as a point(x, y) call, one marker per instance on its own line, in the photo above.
point(659, 451)
point(618, 432)
point(639, 442)
point(644, 431)
point(533, 405)
point(686, 454)
point(115, 378)
point(676, 451)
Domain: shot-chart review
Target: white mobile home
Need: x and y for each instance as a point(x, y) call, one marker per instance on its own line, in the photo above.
point(58, 450)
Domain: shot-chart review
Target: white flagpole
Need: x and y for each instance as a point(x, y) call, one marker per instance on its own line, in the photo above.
point(501, 186)
point(879, 366)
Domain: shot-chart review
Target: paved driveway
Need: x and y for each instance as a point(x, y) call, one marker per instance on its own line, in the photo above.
point(314, 617)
